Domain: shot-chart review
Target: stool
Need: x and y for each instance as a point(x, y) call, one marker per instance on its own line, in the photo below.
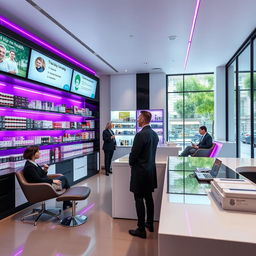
point(74, 194)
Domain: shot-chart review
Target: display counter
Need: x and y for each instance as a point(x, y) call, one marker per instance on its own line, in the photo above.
point(191, 221)
point(123, 205)
point(163, 151)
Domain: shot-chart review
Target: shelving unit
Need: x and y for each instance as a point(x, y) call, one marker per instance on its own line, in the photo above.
point(124, 127)
point(157, 122)
point(29, 118)
point(43, 110)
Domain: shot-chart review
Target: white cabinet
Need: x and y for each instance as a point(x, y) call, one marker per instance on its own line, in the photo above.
point(79, 168)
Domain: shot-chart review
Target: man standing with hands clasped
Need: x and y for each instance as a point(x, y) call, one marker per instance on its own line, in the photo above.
point(143, 174)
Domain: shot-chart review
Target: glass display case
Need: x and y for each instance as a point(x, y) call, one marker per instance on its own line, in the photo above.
point(124, 127)
point(157, 122)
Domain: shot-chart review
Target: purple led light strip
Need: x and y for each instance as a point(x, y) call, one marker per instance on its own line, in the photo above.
point(192, 33)
point(5, 22)
point(83, 211)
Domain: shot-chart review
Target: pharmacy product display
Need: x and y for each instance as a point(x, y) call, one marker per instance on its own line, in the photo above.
point(27, 119)
point(40, 110)
point(124, 127)
point(157, 122)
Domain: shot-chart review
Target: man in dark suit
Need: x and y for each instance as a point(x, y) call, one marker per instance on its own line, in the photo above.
point(143, 173)
point(205, 142)
point(109, 146)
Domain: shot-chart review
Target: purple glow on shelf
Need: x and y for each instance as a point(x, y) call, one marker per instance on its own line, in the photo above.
point(39, 132)
point(8, 152)
point(216, 149)
point(5, 22)
point(37, 115)
point(18, 252)
point(191, 33)
point(83, 211)
point(31, 91)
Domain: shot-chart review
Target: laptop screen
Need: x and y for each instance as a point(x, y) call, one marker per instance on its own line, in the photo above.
point(215, 168)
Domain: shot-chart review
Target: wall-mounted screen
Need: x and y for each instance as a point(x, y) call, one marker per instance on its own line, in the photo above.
point(48, 71)
point(83, 85)
point(13, 56)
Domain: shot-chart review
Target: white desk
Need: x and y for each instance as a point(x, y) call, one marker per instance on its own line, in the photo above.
point(200, 228)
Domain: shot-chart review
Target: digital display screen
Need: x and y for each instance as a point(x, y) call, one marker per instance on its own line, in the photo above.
point(13, 56)
point(83, 85)
point(48, 71)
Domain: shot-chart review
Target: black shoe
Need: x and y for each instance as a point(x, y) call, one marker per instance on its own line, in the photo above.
point(107, 174)
point(149, 226)
point(110, 172)
point(137, 232)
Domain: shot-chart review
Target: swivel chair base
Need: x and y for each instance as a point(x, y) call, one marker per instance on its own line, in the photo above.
point(72, 221)
point(39, 212)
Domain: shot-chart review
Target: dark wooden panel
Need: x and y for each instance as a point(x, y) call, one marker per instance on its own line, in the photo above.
point(142, 90)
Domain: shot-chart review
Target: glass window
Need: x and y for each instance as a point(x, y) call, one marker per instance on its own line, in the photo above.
point(190, 105)
point(244, 104)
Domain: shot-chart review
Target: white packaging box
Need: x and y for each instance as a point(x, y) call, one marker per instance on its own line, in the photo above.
point(236, 200)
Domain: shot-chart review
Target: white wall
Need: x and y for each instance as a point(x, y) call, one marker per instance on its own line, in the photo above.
point(219, 104)
point(123, 92)
point(157, 97)
point(104, 110)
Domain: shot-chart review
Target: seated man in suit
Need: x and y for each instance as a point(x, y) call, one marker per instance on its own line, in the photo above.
point(205, 142)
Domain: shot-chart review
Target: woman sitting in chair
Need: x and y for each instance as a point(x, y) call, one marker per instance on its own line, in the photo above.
point(33, 173)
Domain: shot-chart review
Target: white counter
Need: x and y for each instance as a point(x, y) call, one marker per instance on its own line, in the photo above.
point(123, 204)
point(162, 152)
point(204, 228)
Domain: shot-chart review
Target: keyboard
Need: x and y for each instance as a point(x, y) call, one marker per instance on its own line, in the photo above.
point(207, 175)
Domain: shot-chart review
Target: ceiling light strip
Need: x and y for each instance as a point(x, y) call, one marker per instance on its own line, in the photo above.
point(192, 33)
point(69, 33)
point(5, 22)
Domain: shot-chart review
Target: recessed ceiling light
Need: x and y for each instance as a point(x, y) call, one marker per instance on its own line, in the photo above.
point(131, 36)
point(156, 69)
point(125, 70)
point(172, 37)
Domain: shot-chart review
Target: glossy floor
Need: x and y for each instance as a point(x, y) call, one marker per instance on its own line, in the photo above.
point(99, 236)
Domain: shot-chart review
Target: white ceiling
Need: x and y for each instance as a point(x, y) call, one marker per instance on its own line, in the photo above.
point(132, 35)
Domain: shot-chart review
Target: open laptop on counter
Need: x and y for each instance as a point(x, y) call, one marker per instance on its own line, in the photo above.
point(206, 174)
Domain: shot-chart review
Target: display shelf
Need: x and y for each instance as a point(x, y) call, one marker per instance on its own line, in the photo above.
point(124, 135)
point(11, 170)
point(45, 111)
point(49, 129)
point(124, 121)
point(157, 118)
point(48, 144)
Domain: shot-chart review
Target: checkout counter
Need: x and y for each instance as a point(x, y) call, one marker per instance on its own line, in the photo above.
point(190, 220)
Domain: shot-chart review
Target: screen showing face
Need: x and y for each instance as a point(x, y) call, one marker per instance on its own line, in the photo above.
point(48, 71)
point(83, 85)
point(13, 56)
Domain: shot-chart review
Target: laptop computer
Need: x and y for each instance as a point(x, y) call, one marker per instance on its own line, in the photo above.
point(211, 174)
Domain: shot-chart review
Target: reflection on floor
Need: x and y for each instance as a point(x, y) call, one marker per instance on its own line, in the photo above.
point(100, 236)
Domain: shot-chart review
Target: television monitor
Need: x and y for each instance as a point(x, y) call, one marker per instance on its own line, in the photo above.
point(83, 85)
point(49, 71)
point(13, 56)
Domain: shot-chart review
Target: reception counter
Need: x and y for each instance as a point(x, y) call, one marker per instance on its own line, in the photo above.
point(191, 221)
